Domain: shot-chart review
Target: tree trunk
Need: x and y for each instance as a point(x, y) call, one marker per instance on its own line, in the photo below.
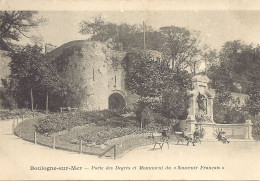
point(206, 67)
point(47, 102)
point(32, 98)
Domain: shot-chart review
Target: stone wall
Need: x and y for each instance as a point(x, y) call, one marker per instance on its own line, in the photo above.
point(237, 131)
point(94, 68)
point(232, 131)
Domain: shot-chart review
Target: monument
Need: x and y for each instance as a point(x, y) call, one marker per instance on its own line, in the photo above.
point(201, 114)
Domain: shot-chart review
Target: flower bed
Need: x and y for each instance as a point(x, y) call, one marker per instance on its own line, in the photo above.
point(96, 135)
point(66, 121)
point(97, 130)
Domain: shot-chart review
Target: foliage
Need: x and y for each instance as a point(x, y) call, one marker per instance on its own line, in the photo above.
point(164, 121)
point(32, 71)
point(181, 47)
point(175, 104)
point(237, 71)
point(256, 125)
point(14, 24)
point(26, 71)
point(11, 114)
point(238, 67)
point(61, 61)
point(159, 87)
point(152, 115)
point(120, 37)
point(147, 75)
point(142, 74)
point(141, 105)
point(59, 122)
point(118, 122)
point(228, 114)
point(7, 95)
point(202, 117)
point(147, 116)
point(253, 101)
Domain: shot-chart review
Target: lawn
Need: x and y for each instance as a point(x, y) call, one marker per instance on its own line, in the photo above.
point(96, 138)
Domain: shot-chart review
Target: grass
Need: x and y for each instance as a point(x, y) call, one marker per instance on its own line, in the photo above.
point(67, 141)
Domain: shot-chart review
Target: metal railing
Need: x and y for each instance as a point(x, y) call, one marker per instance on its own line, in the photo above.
point(110, 148)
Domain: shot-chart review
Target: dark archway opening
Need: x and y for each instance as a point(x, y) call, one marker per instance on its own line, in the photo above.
point(116, 101)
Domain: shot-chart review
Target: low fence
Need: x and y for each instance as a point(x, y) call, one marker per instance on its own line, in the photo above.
point(52, 142)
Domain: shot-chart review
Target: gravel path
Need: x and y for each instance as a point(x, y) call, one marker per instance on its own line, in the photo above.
point(240, 161)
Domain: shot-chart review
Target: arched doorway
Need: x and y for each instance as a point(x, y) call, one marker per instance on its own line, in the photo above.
point(116, 101)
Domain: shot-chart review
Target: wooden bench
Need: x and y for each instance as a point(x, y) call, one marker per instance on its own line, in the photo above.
point(160, 140)
point(181, 139)
point(62, 109)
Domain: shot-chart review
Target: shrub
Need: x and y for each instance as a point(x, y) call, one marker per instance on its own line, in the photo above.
point(175, 104)
point(227, 114)
point(164, 121)
point(7, 96)
point(65, 121)
point(256, 128)
point(256, 125)
point(10, 114)
point(58, 122)
point(117, 122)
point(202, 117)
point(147, 116)
point(95, 116)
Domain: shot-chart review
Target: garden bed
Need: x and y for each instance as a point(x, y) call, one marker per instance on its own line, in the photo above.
point(94, 138)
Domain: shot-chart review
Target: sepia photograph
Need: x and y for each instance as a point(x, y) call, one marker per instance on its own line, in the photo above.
point(129, 90)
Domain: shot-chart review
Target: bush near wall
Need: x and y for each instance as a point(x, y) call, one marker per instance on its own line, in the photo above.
point(11, 114)
point(256, 126)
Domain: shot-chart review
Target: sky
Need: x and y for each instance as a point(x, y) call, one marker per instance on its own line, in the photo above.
point(216, 27)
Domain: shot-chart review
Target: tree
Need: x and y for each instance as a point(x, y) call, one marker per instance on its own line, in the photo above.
point(147, 117)
point(253, 102)
point(36, 79)
point(181, 47)
point(236, 71)
point(7, 95)
point(175, 104)
point(143, 74)
point(121, 37)
point(210, 57)
point(15, 24)
point(150, 77)
point(26, 67)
